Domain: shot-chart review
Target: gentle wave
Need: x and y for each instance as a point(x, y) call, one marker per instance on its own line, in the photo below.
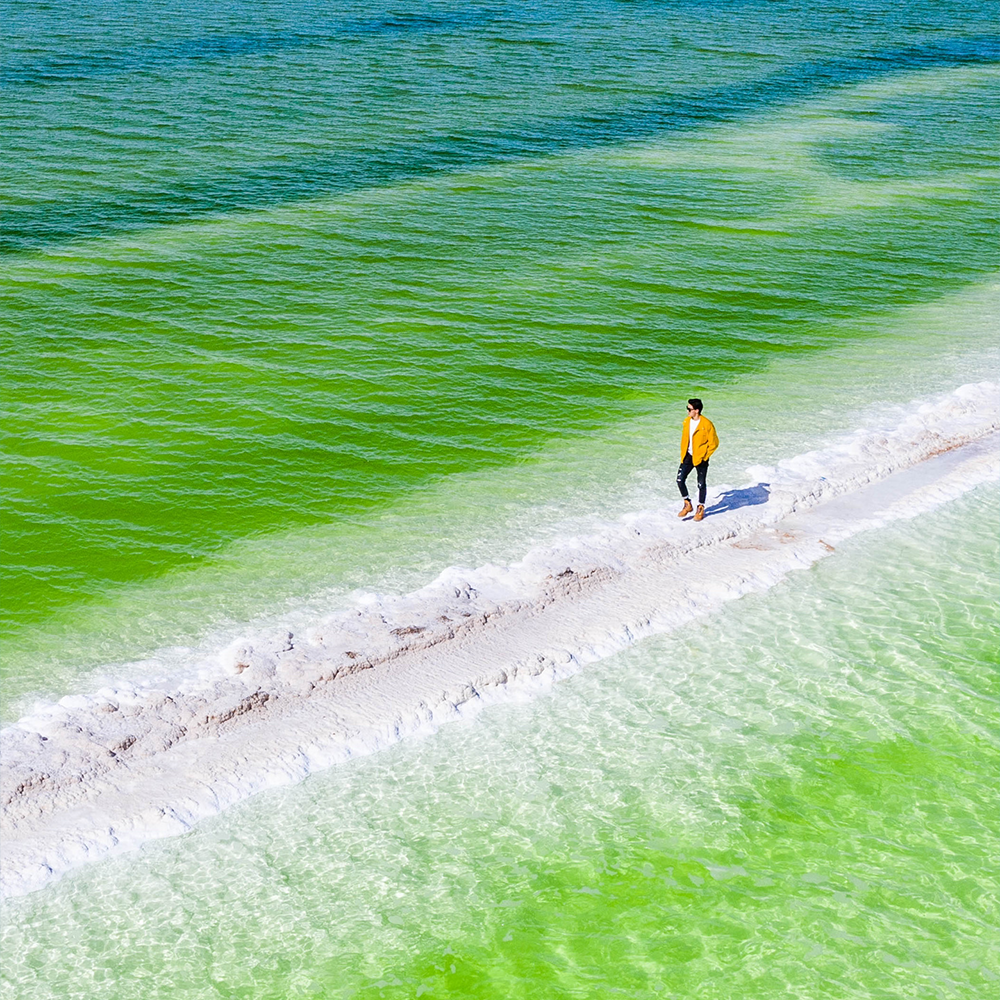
point(289, 178)
point(133, 763)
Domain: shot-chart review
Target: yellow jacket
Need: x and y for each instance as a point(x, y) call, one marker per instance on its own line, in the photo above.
point(704, 443)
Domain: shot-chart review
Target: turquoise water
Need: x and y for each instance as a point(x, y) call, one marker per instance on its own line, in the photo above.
point(298, 300)
point(293, 269)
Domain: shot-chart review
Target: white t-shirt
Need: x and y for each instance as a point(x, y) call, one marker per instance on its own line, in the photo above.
point(694, 426)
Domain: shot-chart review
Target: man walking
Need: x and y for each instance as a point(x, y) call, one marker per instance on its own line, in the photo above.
point(698, 441)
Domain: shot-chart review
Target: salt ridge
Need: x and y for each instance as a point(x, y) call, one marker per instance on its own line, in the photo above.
point(106, 772)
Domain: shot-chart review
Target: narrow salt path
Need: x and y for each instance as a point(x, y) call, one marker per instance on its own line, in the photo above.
point(106, 773)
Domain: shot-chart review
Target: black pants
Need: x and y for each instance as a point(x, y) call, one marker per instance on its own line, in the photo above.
point(685, 470)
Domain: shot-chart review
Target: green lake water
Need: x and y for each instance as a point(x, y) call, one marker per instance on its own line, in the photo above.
point(794, 798)
point(300, 299)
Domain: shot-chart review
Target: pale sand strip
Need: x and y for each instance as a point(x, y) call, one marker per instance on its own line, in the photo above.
point(105, 774)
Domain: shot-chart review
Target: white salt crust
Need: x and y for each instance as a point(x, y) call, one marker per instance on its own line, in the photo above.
point(106, 772)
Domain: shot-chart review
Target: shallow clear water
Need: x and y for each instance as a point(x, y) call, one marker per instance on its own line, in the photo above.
point(300, 300)
point(794, 797)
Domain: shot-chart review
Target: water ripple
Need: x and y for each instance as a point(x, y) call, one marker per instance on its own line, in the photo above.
point(270, 182)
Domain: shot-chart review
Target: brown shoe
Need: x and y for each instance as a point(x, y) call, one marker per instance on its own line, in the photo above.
point(699, 514)
point(686, 509)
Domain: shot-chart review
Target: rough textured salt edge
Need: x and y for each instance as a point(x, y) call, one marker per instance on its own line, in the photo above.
point(105, 773)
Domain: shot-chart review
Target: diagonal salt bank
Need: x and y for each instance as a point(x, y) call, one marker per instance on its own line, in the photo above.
point(93, 775)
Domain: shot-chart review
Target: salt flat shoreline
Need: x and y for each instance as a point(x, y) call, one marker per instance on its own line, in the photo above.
point(105, 773)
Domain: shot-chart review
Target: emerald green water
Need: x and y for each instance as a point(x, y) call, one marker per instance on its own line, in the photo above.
point(298, 300)
point(625, 207)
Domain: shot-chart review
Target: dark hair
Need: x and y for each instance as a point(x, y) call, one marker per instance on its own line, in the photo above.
point(697, 404)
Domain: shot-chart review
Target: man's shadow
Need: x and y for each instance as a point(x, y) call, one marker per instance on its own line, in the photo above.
point(749, 496)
